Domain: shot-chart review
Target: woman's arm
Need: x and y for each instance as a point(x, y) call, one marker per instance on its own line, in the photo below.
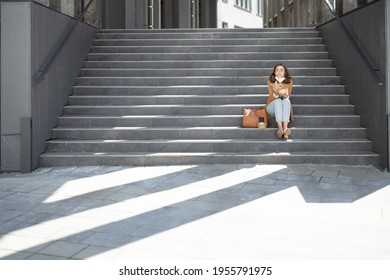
point(290, 86)
point(272, 89)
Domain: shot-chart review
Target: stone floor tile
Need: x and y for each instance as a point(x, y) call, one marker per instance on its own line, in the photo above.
point(108, 240)
point(5, 193)
point(13, 255)
point(97, 253)
point(31, 217)
point(70, 235)
point(63, 169)
point(325, 171)
point(10, 226)
point(6, 215)
point(42, 230)
point(300, 169)
point(23, 197)
point(22, 243)
point(42, 170)
point(62, 249)
point(44, 257)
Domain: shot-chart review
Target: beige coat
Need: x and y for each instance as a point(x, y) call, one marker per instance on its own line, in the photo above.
point(272, 98)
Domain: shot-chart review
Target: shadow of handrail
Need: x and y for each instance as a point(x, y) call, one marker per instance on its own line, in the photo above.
point(45, 69)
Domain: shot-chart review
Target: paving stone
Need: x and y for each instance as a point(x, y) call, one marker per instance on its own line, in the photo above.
point(5, 193)
point(22, 243)
point(6, 215)
point(325, 171)
point(62, 249)
point(96, 253)
point(10, 226)
point(13, 255)
point(44, 257)
point(108, 240)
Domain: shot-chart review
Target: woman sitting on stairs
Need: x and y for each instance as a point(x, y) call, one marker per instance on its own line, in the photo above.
point(278, 102)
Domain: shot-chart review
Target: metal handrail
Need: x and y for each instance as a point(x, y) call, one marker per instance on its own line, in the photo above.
point(354, 42)
point(45, 69)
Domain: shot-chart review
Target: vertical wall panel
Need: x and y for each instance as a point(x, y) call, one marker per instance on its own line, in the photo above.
point(49, 97)
point(29, 33)
point(15, 79)
point(368, 25)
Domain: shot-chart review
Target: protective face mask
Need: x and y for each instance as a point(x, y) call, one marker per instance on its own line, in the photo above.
point(280, 79)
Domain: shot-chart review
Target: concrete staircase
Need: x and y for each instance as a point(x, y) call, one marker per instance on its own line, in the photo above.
point(171, 97)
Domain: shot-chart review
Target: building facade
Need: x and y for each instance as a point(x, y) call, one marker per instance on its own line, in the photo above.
point(157, 14)
point(141, 14)
point(240, 13)
point(304, 13)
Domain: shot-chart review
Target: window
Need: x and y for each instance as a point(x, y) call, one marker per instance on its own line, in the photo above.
point(260, 7)
point(245, 4)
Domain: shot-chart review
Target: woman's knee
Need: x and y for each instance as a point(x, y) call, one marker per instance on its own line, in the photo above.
point(278, 101)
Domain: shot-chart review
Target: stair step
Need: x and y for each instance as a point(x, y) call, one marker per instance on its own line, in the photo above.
point(208, 49)
point(142, 159)
point(208, 146)
point(320, 99)
point(208, 35)
point(221, 80)
point(188, 72)
point(208, 30)
point(336, 121)
point(205, 56)
point(194, 110)
point(199, 42)
point(139, 133)
point(200, 90)
point(228, 63)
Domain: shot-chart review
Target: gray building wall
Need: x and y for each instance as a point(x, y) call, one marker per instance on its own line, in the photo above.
point(113, 16)
point(29, 33)
point(15, 79)
point(368, 26)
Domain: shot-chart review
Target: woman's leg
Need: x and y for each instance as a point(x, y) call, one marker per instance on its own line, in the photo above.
point(275, 109)
point(279, 112)
point(286, 109)
point(286, 117)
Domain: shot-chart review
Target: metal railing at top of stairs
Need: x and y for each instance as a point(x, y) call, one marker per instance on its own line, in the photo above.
point(363, 55)
point(45, 69)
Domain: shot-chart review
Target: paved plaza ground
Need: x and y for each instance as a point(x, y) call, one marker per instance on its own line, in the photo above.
point(205, 212)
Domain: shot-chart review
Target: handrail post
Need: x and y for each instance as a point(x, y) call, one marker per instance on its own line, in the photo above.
point(354, 42)
point(44, 70)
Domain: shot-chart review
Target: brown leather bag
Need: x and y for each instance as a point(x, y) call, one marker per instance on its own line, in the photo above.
point(251, 117)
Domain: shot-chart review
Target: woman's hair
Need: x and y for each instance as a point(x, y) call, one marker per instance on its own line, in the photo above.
point(286, 75)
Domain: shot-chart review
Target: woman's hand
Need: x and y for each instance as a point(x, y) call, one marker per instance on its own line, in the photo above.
point(275, 87)
point(283, 93)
